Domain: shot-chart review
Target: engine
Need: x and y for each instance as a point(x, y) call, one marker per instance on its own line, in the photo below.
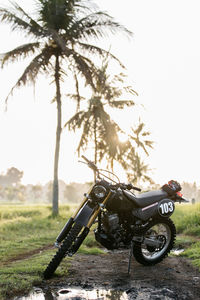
point(112, 235)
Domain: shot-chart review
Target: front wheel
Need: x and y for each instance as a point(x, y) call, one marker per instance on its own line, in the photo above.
point(63, 250)
point(158, 241)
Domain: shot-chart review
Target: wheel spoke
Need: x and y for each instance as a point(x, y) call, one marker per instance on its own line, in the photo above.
point(161, 234)
point(157, 243)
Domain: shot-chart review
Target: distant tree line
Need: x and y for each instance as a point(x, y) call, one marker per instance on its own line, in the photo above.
point(12, 190)
point(12, 177)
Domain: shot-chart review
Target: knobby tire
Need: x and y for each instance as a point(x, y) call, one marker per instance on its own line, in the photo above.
point(137, 248)
point(60, 254)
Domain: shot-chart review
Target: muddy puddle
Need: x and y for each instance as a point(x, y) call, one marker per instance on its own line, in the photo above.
point(75, 294)
point(105, 277)
point(100, 294)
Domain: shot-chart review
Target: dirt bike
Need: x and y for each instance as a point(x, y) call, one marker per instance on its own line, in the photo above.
point(140, 222)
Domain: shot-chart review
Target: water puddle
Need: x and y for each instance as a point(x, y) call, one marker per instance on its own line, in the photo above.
point(75, 294)
point(136, 293)
point(177, 251)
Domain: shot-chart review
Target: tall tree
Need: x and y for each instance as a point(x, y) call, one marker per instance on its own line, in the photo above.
point(60, 44)
point(97, 126)
point(12, 177)
point(140, 136)
point(137, 171)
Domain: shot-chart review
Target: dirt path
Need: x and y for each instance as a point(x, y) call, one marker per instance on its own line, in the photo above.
point(25, 255)
point(174, 278)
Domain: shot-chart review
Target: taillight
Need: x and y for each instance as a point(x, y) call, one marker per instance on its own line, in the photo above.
point(179, 194)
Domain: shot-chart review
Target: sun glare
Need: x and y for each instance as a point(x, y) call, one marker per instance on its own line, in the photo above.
point(123, 138)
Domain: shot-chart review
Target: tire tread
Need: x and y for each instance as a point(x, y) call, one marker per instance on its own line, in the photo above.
point(137, 246)
point(60, 254)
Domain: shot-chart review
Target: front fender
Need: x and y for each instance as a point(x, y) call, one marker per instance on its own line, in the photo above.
point(84, 214)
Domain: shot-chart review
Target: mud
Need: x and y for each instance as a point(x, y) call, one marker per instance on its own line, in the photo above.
point(174, 278)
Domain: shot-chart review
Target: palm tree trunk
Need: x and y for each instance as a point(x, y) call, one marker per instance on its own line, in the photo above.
point(95, 146)
point(58, 134)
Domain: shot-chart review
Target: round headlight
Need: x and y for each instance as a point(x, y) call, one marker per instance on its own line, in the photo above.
point(99, 191)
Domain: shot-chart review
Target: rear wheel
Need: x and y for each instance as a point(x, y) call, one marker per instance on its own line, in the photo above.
point(158, 241)
point(63, 250)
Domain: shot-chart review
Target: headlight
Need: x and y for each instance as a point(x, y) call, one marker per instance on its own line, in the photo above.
point(99, 191)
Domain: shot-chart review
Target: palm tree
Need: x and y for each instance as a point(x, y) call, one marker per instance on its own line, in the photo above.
point(59, 45)
point(97, 126)
point(140, 137)
point(138, 170)
point(135, 167)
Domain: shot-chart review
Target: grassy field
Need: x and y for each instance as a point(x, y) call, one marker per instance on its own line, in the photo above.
point(26, 237)
point(187, 221)
point(27, 234)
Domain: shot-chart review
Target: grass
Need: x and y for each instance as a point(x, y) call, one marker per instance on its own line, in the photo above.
point(193, 252)
point(27, 231)
point(19, 277)
point(25, 228)
point(187, 221)
point(25, 234)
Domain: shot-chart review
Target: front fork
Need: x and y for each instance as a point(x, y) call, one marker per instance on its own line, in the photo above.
point(77, 216)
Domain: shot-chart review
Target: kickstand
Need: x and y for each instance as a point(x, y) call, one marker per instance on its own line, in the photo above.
point(130, 256)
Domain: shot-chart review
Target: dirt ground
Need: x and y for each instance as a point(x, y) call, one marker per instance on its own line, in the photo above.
point(174, 278)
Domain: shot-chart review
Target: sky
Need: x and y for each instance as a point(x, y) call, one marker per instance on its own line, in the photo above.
point(163, 64)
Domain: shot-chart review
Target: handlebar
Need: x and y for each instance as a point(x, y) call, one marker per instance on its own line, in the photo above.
point(90, 163)
point(129, 186)
point(136, 189)
point(123, 186)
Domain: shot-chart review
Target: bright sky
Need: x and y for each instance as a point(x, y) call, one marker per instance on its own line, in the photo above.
point(163, 61)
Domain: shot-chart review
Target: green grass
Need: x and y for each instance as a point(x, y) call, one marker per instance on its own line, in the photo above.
point(20, 276)
point(25, 230)
point(193, 252)
point(184, 241)
point(187, 219)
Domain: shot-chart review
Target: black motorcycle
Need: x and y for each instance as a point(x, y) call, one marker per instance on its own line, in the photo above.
point(125, 221)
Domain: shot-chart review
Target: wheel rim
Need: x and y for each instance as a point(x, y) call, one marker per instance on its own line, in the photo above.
point(160, 234)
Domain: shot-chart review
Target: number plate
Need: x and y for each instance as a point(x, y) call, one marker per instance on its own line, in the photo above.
point(166, 208)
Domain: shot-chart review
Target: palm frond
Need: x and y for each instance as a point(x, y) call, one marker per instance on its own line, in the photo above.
point(149, 144)
point(98, 24)
point(139, 129)
point(130, 90)
point(78, 96)
point(76, 121)
point(95, 50)
point(85, 67)
point(86, 135)
point(35, 27)
point(40, 64)
point(18, 23)
point(22, 52)
point(121, 103)
point(75, 97)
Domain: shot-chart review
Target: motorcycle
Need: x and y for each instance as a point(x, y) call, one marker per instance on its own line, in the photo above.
point(140, 222)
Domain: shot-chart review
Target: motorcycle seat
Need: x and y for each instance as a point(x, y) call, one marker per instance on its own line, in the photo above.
point(147, 198)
